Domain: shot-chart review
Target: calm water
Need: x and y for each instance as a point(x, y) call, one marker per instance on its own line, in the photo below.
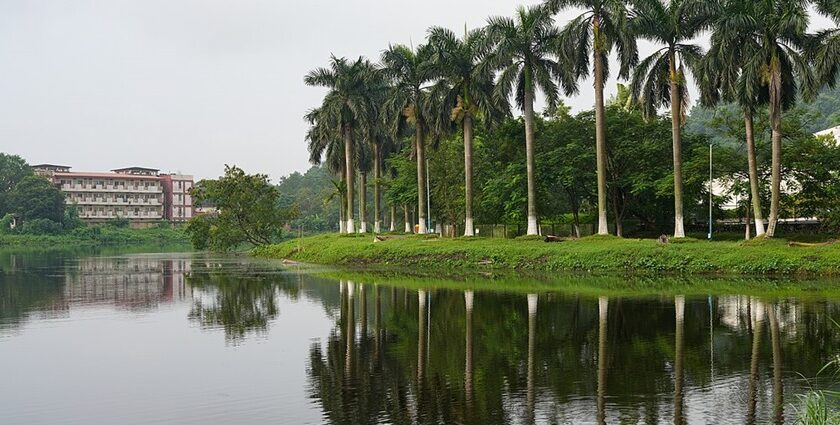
point(191, 339)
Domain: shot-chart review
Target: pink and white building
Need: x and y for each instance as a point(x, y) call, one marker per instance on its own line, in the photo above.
point(142, 195)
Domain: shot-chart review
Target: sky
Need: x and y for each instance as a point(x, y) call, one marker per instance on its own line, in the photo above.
point(191, 85)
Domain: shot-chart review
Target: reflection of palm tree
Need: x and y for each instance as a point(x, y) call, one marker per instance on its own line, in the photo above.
point(532, 338)
point(758, 327)
point(468, 361)
point(362, 311)
point(603, 303)
point(778, 397)
point(350, 335)
point(679, 313)
point(421, 335)
point(377, 319)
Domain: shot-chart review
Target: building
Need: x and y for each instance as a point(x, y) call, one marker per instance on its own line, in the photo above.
point(140, 194)
point(834, 131)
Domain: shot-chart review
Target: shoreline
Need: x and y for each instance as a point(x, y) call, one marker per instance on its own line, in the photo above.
point(603, 255)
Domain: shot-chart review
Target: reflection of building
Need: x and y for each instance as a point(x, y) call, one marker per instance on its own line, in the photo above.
point(132, 282)
point(139, 194)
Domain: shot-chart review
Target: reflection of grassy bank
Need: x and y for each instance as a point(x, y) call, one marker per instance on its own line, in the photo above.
point(594, 254)
point(596, 286)
point(95, 236)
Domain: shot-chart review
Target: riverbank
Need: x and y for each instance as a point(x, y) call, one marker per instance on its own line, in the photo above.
point(592, 254)
point(95, 236)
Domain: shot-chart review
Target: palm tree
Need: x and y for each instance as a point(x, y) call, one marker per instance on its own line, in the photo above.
point(771, 36)
point(660, 79)
point(826, 53)
point(468, 94)
point(523, 49)
point(602, 27)
point(349, 105)
point(720, 79)
point(408, 102)
point(324, 142)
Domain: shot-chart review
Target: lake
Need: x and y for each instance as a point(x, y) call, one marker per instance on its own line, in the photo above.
point(189, 338)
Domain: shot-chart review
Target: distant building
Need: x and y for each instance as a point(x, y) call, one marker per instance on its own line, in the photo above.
point(834, 131)
point(142, 195)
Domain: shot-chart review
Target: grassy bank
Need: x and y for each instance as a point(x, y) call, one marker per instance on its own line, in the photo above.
point(95, 236)
point(593, 254)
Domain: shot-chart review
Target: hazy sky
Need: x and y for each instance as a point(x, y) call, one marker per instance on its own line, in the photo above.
point(190, 85)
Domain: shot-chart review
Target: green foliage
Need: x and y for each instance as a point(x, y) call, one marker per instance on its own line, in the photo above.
point(121, 222)
point(71, 218)
point(41, 226)
point(249, 211)
point(35, 197)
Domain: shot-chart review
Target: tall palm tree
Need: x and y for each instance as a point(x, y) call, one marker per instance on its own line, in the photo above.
point(523, 52)
point(468, 94)
point(602, 27)
point(408, 103)
point(325, 144)
point(349, 105)
point(660, 79)
point(720, 79)
point(771, 34)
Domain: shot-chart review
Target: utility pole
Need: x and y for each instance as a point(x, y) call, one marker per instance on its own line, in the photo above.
point(710, 191)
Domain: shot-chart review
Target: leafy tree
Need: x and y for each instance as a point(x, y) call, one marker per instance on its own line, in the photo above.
point(12, 170)
point(35, 197)
point(248, 211)
point(661, 78)
point(523, 53)
point(602, 27)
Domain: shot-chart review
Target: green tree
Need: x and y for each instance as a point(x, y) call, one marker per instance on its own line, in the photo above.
point(523, 52)
point(35, 197)
point(602, 27)
point(661, 78)
point(348, 106)
point(248, 211)
point(12, 170)
point(409, 103)
point(468, 96)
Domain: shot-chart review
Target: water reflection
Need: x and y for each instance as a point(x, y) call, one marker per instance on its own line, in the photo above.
point(427, 356)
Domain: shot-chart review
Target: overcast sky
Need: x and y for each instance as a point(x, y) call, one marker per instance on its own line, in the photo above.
point(190, 85)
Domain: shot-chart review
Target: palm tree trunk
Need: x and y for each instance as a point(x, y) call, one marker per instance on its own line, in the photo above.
point(377, 196)
point(421, 179)
point(753, 170)
point(676, 128)
point(393, 226)
point(407, 219)
point(362, 202)
point(342, 204)
point(776, 138)
point(350, 176)
point(468, 175)
point(529, 156)
point(600, 131)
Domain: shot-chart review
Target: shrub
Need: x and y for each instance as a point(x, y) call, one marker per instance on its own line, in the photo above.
point(41, 226)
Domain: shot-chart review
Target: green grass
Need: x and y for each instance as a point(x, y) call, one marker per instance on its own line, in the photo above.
point(592, 254)
point(95, 236)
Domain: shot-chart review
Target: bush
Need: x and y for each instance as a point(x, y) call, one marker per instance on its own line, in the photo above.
point(41, 226)
point(119, 222)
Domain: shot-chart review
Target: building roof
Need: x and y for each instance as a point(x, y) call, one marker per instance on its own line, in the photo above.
point(49, 166)
point(106, 175)
point(153, 170)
